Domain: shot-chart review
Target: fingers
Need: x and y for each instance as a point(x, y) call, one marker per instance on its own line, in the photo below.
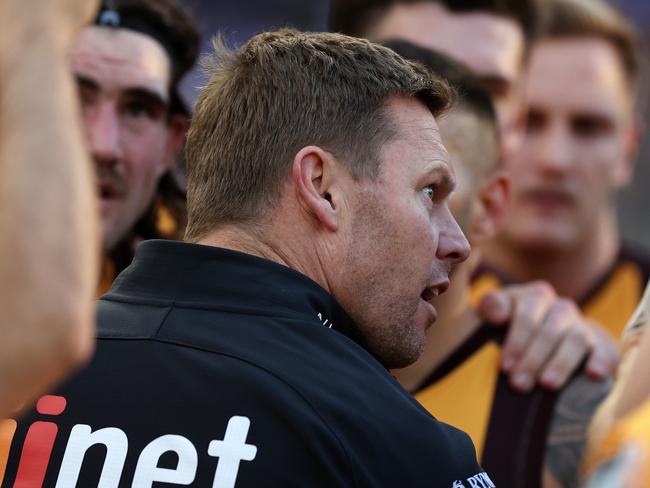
point(531, 304)
point(548, 338)
point(559, 347)
point(605, 355)
point(570, 354)
point(496, 307)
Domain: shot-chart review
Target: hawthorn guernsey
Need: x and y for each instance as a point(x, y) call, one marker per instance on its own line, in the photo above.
point(229, 370)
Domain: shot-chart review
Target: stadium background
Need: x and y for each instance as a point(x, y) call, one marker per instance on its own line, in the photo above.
point(238, 21)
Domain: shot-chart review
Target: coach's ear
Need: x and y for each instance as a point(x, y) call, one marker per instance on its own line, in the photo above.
point(491, 207)
point(314, 175)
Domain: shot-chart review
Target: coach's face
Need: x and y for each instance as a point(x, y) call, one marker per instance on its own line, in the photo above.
point(579, 144)
point(124, 81)
point(402, 239)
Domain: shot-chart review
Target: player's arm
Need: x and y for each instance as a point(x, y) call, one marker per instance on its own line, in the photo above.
point(566, 440)
point(548, 337)
point(635, 386)
point(631, 387)
point(48, 222)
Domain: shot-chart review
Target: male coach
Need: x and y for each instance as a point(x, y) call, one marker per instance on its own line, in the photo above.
point(256, 353)
point(504, 31)
point(521, 440)
point(563, 226)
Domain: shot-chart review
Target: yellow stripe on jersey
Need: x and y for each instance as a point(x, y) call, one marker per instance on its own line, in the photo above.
point(166, 223)
point(611, 305)
point(107, 276)
point(615, 302)
point(483, 284)
point(464, 397)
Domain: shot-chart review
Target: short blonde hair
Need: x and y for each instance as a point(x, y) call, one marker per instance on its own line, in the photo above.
point(597, 19)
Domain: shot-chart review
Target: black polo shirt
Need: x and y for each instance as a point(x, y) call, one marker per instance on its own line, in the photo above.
point(216, 368)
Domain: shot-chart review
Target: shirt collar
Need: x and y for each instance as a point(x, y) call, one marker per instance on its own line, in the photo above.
point(198, 275)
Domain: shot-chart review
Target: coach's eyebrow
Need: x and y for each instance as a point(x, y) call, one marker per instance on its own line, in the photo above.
point(440, 170)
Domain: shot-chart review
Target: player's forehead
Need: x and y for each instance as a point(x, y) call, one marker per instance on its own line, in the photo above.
point(471, 141)
point(121, 59)
point(576, 74)
point(491, 45)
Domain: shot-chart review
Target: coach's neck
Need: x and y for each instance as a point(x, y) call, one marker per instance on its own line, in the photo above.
point(283, 241)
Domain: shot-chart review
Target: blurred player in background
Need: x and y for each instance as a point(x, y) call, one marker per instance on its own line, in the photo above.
point(489, 37)
point(128, 66)
point(581, 138)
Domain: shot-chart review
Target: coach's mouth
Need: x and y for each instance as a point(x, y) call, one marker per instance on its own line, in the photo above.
point(432, 291)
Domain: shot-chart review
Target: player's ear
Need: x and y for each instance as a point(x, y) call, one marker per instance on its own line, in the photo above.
point(315, 177)
point(176, 130)
point(633, 137)
point(491, 207)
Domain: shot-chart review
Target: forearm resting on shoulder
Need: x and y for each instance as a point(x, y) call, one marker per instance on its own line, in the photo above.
point(48, 222)
point(631, 387)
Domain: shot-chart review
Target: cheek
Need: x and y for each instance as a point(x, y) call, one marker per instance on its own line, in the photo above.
point(143, 158)
point(142, 174)
point(520, 166)
point(424, 238)
point(598, 161)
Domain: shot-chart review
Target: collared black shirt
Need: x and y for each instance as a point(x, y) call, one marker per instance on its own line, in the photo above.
point(217, 368)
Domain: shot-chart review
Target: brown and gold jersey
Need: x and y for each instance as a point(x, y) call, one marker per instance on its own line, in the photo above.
point(166, 225)
point(509, 430)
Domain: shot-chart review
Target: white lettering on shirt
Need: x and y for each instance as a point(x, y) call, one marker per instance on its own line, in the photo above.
point(147, 470)
point(231, 451)
point(81, 439)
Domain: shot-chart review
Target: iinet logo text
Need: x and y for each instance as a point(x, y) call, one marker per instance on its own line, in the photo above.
point(39, 441)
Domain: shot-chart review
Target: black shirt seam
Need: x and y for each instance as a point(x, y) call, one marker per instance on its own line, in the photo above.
point(152, 302)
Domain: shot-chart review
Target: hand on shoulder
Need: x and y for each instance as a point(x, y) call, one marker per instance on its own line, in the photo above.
point(549, 338)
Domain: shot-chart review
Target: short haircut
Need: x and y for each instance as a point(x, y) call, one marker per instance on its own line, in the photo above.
point(599, 20)
point(283, 91)
point(356, 17)
point(471, 94)
point(176, 25)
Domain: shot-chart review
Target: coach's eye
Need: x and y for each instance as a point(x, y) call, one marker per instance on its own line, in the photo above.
point(428, 190)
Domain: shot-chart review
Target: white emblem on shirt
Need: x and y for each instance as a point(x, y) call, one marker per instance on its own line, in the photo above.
point(481, 480)
point(325, 322)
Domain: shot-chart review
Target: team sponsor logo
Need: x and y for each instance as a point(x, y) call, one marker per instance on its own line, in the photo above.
point(481, 480)
point(37, 449)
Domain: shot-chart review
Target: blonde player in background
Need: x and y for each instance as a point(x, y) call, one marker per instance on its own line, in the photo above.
point(48, 209)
